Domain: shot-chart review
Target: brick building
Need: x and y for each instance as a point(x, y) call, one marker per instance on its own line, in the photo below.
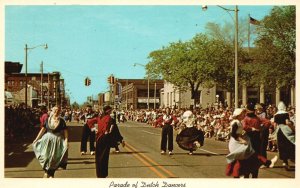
point(134, 93)
point(52, 87)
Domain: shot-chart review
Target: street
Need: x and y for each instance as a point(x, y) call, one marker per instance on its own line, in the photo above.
point(140, 158)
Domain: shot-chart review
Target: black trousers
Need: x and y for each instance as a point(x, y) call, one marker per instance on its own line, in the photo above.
point(264, 135)
point(255, 141)
point(167, 136)
point(87, 133)
point(102, 156)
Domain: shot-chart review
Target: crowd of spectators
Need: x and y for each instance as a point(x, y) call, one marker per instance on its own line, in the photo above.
point(213, 121)
point(20, 122)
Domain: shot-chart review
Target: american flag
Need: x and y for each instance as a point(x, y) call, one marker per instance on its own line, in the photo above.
point(254, 21)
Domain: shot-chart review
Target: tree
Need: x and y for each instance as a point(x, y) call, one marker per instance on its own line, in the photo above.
point(226, 32)
point(75, 105)
point(223, 59)
point(276, 46)
point(184, 64)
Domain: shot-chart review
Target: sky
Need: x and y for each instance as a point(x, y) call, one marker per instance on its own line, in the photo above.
point(96, 41)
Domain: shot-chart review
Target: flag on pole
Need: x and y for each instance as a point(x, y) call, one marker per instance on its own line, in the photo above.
point(254, 21)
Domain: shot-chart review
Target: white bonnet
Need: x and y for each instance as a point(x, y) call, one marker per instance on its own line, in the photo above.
point(187, 114)
point(281, 106)
point(237, 112)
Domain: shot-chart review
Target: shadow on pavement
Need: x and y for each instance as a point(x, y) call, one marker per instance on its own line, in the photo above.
point(81, 162)
point(76, 133)
point(15, 155)
point(20, 159)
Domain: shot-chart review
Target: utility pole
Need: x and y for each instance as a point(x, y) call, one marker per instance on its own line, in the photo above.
point(26, 56)
point(41, 82)
point(48, 90)
point(155, 95)
point(148, 93)
point(126, 94)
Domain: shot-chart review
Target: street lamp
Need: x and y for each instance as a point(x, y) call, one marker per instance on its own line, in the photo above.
point(148, 83)
point(26, 55)
point(204, 8)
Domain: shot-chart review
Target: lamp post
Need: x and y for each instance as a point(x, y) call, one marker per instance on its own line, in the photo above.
point(41, 83)
point(26, 57)
point(236, 98)
point(148, 83)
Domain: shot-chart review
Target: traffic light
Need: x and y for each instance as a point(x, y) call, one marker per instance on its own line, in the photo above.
point(87, 81)
point(112, 80)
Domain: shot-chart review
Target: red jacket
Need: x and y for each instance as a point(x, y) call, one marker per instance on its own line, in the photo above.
point(173, 119)
point(104, 125)
point(266, 122)
point(251, 121)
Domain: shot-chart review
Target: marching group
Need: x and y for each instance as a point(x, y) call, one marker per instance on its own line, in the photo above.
point(250, 132)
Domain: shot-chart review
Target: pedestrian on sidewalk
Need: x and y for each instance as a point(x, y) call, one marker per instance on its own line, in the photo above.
point(103, 140)
point(51, 148)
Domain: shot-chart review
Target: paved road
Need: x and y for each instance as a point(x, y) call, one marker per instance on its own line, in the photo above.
point(141, 158)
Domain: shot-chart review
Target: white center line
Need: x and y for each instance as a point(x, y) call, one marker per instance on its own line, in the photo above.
point(209, 151)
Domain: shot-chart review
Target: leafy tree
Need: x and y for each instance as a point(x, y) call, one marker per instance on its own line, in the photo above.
point(223, 60)
point(75, 105)
point(226, 32)
point(276, 47)
point(185, 64)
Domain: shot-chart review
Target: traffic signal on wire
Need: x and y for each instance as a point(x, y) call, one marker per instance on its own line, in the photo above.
point(111, 79)
point(87, 81)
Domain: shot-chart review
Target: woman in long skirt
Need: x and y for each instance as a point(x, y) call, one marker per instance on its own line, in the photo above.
point(189, 138)
point(51, 148)
point(285, 135)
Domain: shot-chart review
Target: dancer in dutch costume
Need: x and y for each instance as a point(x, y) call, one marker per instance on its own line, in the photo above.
point(51, 148)
point(105, 125)
point(243, 160)
point(189, 137)
point(285, 135)
point(168, 121)
point(116, 137)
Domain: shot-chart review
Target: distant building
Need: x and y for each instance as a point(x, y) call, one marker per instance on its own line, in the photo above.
point(133, 93)
point(172, 96)
point(52, 87)
point(175, 97)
